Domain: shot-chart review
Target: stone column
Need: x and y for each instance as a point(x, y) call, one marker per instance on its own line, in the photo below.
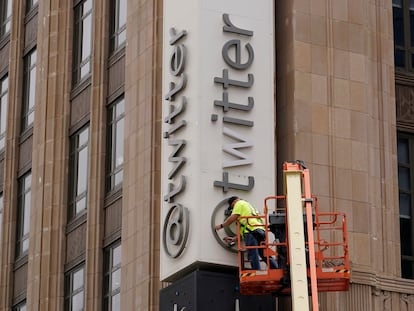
point(141, 186)
point(15, 68)
point(50, 158)
point(97, 149)
point(336, 111)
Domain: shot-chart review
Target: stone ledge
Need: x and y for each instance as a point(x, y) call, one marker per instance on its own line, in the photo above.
point(386, 283)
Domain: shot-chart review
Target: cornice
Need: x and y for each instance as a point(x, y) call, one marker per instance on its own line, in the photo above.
point(381, 282)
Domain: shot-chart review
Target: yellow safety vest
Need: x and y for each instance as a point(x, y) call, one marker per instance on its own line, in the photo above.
point(243, 208)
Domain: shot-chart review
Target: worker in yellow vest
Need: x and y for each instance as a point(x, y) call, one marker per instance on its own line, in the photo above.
point(252, 230)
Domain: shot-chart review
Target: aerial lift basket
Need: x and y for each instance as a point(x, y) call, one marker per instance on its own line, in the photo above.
point(330, 251)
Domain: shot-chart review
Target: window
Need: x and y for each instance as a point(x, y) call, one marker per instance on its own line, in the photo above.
point(82, 41)
point(75, 289)
point(406, 202)
point(118, 24)
point(78, 173)
point(4, 87)
point(112, 278)
point(403, 20)
point(29, 90)
point(23, 215)
point(20, 307)
point(115, 144)
point(5, 17)
point(30, 4)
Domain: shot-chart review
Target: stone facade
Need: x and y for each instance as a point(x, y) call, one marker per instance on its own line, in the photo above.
point(336, 110)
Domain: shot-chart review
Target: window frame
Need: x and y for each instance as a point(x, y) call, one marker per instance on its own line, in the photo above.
point(406, 48)
point(108, 271)
point(29, 85)
point(69, 292)
point(115, 29)
point(21, 306)
point(405, 258)
point(31, 4)
point(5, 7)
point(79, 35)
point(3, 100)
point(22, 236)
point(114, 126)
point(76, 147)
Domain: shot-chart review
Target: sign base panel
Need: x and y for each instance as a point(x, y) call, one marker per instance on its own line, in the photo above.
point(206, 290)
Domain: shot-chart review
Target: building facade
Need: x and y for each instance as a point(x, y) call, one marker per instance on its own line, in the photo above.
point(81, 103)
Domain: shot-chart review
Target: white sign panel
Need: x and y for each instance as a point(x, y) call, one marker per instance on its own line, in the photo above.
point(218, 123)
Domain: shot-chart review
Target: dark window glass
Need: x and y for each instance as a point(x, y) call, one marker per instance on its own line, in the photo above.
point(412, 61)
point(75, 289)
point(29, 90)
point(403, 23)
point(115, 132)
point(118, 24)
point(407, 268)
point(5, 17)
point(82, 40)
point(405, 232)
point(78, 173)
point(411, 14)
point(404, 178)
point(30, 4)
point(405, 151)
point(20, 307)
point(403, 154)
point(397, 12)
point(4, 88)
point(112, 278)
point(399, 58)
point(405, 204)
point(23, 215)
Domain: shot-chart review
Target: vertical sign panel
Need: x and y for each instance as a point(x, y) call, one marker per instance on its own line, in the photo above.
point(218, 123)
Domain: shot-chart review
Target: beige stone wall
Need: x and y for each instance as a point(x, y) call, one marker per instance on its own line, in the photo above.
point(336, 111)
point(49, 165)
point(141, 189)
point(50, 159)
point(10, 164)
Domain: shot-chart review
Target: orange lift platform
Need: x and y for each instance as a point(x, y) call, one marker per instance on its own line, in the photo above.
point(311, 247)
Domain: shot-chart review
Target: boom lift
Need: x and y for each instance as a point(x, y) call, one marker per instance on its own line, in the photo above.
point(314, 257)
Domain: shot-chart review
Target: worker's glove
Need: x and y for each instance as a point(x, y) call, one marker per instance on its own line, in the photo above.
point(230, 240)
